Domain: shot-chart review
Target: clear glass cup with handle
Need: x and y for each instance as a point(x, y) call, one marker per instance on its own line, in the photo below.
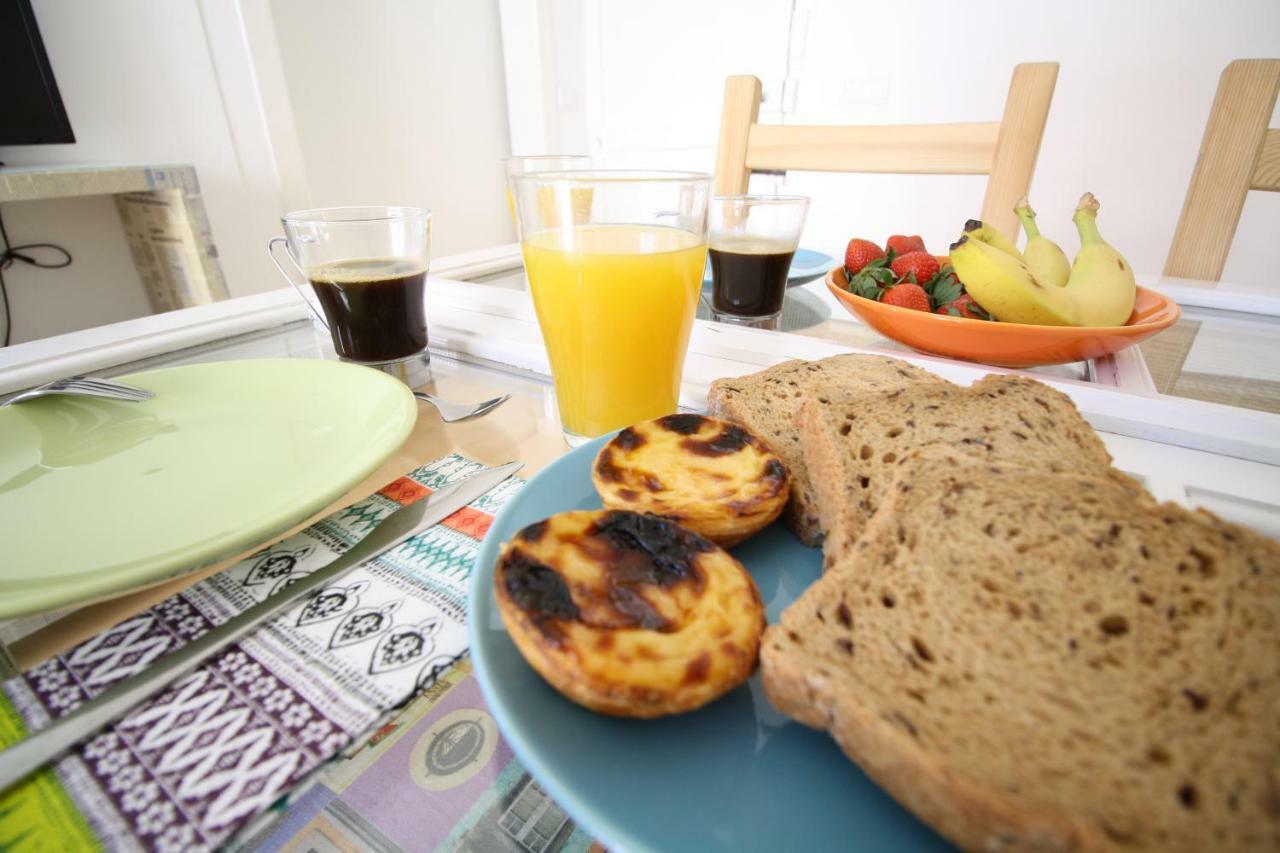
point(615, 285)
point(367, 267)
point(752, 242)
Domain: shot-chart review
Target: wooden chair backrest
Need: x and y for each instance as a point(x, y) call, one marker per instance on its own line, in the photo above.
point(1238, 153)
point(1006, 150)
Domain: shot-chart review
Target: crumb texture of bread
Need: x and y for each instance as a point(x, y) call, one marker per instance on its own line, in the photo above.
point(1032, 660)
point(857, 439)
point(767, 402)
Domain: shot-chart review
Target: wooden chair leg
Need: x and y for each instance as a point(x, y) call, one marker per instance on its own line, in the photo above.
point(1234, 139)
point(1026, 111)
point(741, 110)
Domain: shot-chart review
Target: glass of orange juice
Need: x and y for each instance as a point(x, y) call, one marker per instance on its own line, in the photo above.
point(615, 286)
point(524, 164)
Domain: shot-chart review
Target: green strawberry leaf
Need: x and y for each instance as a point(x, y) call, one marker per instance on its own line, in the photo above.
point(864, 284)
point(945, 291)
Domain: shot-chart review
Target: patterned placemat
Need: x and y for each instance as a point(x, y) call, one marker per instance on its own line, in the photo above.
point(437, 776)
point(192, 767)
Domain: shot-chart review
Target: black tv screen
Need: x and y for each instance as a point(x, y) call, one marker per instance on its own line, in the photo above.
point(31, 110)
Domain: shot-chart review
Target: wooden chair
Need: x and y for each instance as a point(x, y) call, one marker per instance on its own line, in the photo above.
point(1238, 153)
point(1005, 150)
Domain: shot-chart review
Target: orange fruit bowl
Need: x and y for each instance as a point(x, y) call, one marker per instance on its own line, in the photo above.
point(1007, 344)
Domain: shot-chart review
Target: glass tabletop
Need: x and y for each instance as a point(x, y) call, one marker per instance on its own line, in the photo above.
point(1208, 350)
point(1227, 357)
point(1212, 354)
point(808, 309)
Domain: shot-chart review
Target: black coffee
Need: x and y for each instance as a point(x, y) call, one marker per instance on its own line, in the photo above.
point(375, 307)
point(749, 279)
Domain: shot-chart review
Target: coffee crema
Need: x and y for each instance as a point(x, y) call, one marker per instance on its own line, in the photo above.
point(376, 306)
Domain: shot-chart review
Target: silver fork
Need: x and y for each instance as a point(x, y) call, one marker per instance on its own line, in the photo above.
point(83, 386)
point(454, 412)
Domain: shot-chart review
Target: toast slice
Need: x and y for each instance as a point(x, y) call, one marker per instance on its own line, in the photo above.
point(856, 439)
point(1039, 661)
point(766, 403)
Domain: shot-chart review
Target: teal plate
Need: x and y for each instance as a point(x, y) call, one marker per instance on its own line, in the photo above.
point(99, 497)
point(735, 775)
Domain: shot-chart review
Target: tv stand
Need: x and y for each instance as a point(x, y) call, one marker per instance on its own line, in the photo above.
point(163, 216)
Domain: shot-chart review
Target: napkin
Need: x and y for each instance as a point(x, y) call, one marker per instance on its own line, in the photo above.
point(193, 765)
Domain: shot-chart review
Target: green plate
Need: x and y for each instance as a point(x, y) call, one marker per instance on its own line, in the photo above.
point(99, 497)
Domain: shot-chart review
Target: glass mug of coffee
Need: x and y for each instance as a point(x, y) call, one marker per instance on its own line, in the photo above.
point(368, 268)
point(753, 239)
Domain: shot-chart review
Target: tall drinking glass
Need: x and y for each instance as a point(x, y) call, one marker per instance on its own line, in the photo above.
point(615, 287)
point(529, 163)
point(753, 239)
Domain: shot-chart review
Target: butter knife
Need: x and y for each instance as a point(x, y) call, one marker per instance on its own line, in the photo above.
point(20, 759)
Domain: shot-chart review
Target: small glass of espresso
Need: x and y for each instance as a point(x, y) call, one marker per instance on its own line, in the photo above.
point(368, 268)
point(752, 241)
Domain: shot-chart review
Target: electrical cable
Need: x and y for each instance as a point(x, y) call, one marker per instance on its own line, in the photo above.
point(9, 255)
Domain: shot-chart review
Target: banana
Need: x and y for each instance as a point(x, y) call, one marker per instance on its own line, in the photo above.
point(992, 236)
point(1043, 257)
point(1004, 286)
point(1102, 282)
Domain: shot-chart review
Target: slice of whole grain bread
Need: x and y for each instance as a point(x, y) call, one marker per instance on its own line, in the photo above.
point(856, 439)
point(766, 403)
point(1041, 661)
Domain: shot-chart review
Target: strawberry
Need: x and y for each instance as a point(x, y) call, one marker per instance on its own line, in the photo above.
point(858, 254)
point(907, 296)
point(901, 245)
point(916, 267)
point(965, 306)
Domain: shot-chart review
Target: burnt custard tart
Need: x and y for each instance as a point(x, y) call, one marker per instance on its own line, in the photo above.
point(712, 476)
point(629, 614)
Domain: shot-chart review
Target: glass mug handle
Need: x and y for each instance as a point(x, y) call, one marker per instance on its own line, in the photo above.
point(271, 250)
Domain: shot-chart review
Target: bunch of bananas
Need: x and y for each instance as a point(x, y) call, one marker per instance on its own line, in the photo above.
point(1038, 285)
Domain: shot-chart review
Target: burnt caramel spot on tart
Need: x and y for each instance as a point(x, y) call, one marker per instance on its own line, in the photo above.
point(698, 669)
point(682, 424)
point(775, 475)
point(729, 440)
point(629, 439)
point(649, 550)
point(606, 469)
point(538, 590)
point(533, 532)
point(635, 610)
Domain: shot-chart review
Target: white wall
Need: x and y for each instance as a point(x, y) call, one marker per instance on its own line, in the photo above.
point(101, 285)
point(140, 85)
point(1134, 91)
point(402, 102)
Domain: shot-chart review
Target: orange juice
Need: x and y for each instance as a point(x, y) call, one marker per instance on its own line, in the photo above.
point(615, 304)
